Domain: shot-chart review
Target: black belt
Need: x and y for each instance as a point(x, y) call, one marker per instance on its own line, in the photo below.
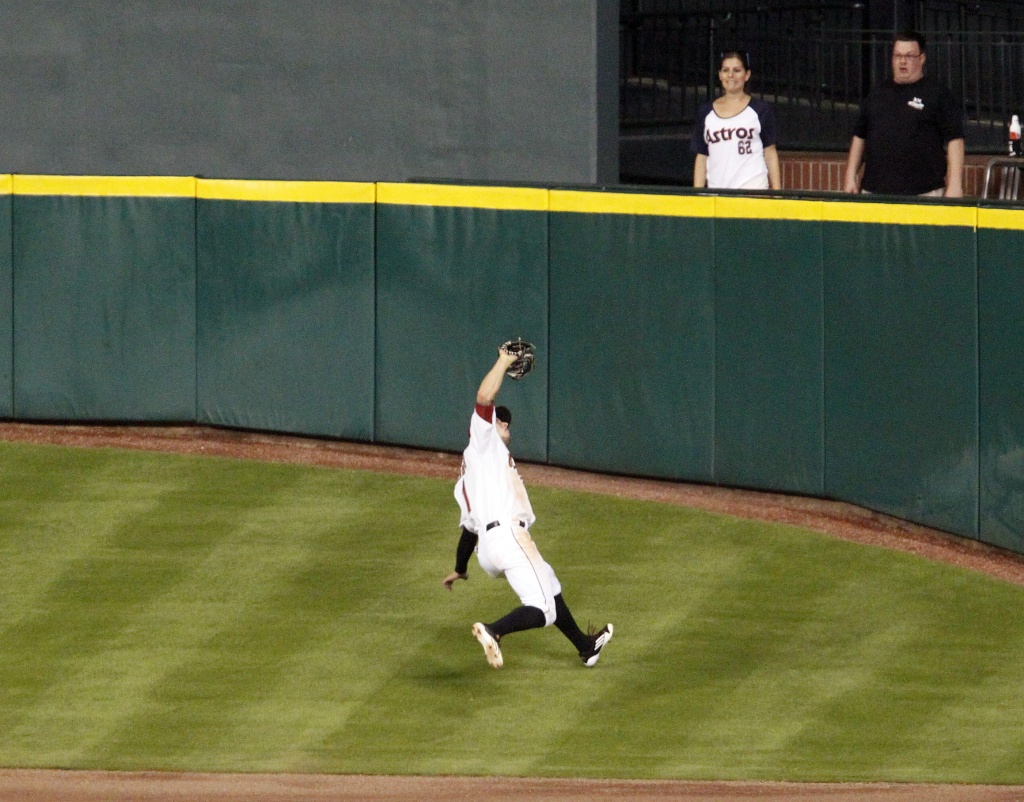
point(493, 524)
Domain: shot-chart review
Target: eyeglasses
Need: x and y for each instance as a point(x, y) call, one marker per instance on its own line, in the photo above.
point(906, 56)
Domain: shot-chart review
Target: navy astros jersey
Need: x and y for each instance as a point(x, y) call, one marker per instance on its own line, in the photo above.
point(735, 145)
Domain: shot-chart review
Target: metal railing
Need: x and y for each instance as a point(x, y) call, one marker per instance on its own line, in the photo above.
point(815, 62)
point(1004, 178)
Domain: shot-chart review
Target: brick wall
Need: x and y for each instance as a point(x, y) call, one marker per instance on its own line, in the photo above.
point(824, 171)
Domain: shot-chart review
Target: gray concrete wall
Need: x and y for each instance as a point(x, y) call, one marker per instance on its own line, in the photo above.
point(484, 90)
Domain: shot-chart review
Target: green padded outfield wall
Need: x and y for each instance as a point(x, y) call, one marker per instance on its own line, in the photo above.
point(769, 338)
point(632, 333)
point(829, 349)
point(683, 336)
point(285, 306)
point(901, 372)
point(104, 298)
point(1001, 357)
point(459, 270)
point(6, 301)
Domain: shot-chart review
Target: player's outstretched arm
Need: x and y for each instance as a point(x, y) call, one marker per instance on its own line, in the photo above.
point(492, 381)
point(467, 543)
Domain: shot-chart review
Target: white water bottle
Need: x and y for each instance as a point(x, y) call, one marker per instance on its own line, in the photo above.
point(1015, 135)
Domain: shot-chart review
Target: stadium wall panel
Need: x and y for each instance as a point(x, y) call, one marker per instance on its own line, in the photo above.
point(285, 306)
point(901, 362)
point(769, 339)
point(1001, 344)
point(104, 298)
point(632, 334)
point(459, 270)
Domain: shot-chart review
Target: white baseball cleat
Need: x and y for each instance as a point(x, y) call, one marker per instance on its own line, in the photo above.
point(600, 641)
point(490, 643)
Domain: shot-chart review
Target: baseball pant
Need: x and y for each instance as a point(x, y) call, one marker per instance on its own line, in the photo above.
point(509, 551)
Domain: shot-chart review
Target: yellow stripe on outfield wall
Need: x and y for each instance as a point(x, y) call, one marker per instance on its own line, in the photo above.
point(1008, 219)
point(627, 203)
point(911, 214)
point(130, 186)
point(518, 198)
point(6, 184)
point(768, 208)
point(286, 191)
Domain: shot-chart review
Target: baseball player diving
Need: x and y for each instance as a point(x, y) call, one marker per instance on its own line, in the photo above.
point(496, 516)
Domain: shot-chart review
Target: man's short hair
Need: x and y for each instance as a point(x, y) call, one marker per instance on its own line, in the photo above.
point(910, 36)
point(504, 414)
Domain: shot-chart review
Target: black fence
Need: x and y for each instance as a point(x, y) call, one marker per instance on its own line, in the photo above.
point(815, 61)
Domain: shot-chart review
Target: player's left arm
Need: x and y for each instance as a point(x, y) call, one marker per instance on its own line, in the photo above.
point(467, 543)
point(955, 168)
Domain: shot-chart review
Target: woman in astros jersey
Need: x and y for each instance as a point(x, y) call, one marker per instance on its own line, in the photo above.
point(734, 136)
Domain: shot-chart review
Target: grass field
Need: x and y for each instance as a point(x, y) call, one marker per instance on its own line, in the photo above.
point(171, 612)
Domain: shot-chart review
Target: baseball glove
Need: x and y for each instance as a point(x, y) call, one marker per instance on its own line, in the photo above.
point(525, 355)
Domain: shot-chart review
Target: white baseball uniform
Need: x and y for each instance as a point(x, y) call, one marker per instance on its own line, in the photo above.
point(493, 503)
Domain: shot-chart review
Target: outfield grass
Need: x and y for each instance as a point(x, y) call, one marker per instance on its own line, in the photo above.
point(170, 612)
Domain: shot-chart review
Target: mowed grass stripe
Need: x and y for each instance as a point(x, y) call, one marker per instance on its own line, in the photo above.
point(40, 511)
point(84, 592)
point(99, 656)
point(804, 639)
point(104, 660)
point(232, 616)
point(333, 619)
point(929, 701)
point(208, 617)
point(649, 627)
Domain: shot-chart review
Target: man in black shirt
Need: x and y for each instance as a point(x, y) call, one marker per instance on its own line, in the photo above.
point(910, 134)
